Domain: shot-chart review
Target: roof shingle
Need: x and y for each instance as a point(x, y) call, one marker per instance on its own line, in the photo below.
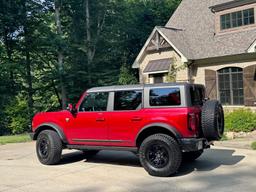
point(197, 38)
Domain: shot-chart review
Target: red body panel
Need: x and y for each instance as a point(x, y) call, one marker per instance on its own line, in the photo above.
point(116, 128)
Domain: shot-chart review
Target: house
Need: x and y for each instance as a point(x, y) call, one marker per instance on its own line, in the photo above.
point(210, 42)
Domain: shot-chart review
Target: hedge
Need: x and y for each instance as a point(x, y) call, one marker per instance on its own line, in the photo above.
point(241, 120)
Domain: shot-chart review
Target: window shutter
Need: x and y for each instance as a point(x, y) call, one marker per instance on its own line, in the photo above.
point(211, 84)
point(250, 86)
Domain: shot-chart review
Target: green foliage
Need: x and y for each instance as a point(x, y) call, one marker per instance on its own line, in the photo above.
point(18, 115)
point(126, 77)
point(240, 120)
point(224, 137)
point(14, 139)
point(30, 75)
point(253, 145)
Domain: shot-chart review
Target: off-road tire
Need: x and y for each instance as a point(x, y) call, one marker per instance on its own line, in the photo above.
point(54, 147)
point(90, 153)
point(191, 156)
point(212, 120)
point(171, 147)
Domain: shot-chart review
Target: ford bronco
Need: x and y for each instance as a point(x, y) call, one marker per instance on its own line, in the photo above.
point(162, 123)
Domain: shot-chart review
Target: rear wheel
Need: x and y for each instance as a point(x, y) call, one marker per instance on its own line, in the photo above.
point(191, 156)
point(49, 147)
point(160, 155)
point(212, 120)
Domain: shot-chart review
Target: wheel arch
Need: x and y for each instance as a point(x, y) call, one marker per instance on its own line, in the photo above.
point(50, 126)
point(154, 129)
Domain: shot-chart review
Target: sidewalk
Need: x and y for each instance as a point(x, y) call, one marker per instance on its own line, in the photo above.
point(241, 143)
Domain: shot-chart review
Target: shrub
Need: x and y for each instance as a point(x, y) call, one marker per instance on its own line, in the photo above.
point(17, 111)
point(253, 146)
point(240, 120)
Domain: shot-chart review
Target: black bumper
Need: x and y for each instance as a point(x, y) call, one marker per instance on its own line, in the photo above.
point(193, 144)
point(32, 135)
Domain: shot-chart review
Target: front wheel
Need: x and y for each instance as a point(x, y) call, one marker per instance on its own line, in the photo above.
point(160, 155)
point(49, 147)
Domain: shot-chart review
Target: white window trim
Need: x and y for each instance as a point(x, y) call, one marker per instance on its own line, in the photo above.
point(252, 48)
point(156, 72)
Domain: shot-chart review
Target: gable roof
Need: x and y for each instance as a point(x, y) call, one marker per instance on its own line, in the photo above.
point(198, 39)
point(169, 41)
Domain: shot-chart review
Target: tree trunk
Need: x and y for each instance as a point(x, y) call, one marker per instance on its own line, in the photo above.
point(29, 81)
point(89, 43)
point(9, 55)
point(60, 54)
point(28, 63)
point(92, 42)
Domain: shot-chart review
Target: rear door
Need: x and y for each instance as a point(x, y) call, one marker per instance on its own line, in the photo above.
point(126, 116)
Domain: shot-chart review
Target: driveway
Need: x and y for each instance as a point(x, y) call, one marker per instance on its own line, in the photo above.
point(218, 169)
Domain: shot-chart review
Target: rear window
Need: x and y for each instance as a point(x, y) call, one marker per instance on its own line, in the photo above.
point(164, 97)
point(197, 95)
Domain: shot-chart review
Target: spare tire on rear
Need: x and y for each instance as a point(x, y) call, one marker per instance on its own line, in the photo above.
point(212, 120)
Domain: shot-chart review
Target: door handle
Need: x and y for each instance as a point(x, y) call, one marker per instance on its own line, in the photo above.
point(136, 119)
point(100, 119)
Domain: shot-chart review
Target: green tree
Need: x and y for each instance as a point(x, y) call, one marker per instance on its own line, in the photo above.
point(126, 77)
point(52, 50)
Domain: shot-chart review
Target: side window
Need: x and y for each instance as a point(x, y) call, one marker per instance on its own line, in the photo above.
point(127, 100)
point(164, 97)
point(197, 95)
point(95, 102)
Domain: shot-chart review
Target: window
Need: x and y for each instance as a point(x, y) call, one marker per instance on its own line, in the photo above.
point(237, 19)
point(127, 100)
point(197, 95)
point(231, 91)
point(164, 97)
point(95, 102)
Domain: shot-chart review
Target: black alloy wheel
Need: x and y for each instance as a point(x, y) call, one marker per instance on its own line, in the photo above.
point(157, 155)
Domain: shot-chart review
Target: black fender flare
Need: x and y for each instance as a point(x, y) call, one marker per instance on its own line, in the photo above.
point(52, 126)
point(162, 125)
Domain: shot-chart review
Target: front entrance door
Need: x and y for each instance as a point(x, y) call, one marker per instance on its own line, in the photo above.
point(158, 78)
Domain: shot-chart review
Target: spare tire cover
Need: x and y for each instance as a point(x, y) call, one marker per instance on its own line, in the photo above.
point(212, 118)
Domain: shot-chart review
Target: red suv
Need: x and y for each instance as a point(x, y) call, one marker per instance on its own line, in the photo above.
point(162, 123)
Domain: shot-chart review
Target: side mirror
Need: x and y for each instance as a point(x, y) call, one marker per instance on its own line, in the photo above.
point(72, 109)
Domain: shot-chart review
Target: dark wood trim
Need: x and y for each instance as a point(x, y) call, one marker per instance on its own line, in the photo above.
point(88, 147)
point(231, 4)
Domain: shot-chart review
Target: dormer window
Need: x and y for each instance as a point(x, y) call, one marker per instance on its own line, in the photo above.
point(237, 19)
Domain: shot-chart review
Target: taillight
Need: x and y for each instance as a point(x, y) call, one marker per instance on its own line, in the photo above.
point(192, 121)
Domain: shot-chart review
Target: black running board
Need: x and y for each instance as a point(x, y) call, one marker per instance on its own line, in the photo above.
point(89, 147)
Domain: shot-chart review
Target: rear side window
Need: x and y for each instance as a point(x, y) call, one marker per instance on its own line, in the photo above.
point(164, 97)
point(197, 95)
point(127, 100)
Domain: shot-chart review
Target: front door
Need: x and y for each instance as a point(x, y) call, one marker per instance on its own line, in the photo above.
point(89, 126)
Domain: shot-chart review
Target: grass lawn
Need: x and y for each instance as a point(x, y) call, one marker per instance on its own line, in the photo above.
point(253, 146)
point(14, 139)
